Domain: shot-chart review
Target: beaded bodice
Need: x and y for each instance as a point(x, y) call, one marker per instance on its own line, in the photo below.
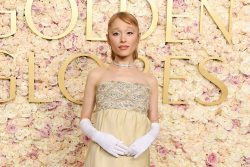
point(122, 95)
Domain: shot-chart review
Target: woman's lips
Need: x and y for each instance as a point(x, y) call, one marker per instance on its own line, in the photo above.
point(123, 47)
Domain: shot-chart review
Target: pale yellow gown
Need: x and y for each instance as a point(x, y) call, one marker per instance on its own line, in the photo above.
point(121, 110)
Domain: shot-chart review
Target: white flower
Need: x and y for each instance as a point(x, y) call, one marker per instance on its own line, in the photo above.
point(25, 110)
point(39, 123)
point(244, 93)
point(3, 119)
point(245, 65)
point(22, 133)
point(11, 110)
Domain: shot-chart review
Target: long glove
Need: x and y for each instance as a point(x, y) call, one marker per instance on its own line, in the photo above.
point(107, 141)
point(143, 142)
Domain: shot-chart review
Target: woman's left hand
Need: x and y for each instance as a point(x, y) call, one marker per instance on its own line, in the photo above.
point(143, 142)
point(140, 145)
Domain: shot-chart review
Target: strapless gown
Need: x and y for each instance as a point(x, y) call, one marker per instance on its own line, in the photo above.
point(121, 110)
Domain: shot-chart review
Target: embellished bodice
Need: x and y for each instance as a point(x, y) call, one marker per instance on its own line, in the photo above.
point(122, 95)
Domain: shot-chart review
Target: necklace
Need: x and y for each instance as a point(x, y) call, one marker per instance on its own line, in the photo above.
point(123, 65)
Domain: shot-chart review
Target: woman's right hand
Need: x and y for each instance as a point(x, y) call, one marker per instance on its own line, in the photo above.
point(110, 143)
point(107, 141)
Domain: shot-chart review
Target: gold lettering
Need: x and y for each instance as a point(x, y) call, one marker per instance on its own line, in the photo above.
point(31, 81)
point(155, 18)
point(167, 78)
point(146, 63)
point(170, 17)
point(89, 28)
point(12, 82)
point(215, 81)
point(61, 74)
point(227, 33)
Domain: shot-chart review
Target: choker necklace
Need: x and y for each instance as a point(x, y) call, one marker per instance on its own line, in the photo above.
point(123, 65)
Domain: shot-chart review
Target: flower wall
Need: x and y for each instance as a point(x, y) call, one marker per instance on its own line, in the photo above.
point(192, 135)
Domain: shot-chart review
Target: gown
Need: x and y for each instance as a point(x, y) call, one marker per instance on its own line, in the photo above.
point(121, 110)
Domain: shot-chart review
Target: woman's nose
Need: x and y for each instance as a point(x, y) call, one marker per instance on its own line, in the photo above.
point(123, 38)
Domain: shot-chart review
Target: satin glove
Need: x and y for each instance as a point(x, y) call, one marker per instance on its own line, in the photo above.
point(143, 142)
point(107, 141)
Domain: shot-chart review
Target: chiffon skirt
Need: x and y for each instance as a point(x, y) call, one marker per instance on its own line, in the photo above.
point(127, 126)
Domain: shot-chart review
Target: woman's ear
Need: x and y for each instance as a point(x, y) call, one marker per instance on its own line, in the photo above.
point(107, 36)
point(139, 37)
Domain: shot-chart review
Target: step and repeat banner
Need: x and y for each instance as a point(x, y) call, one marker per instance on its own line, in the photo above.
point(197, 49)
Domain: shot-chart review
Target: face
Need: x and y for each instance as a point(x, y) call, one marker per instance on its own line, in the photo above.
point(123, 38)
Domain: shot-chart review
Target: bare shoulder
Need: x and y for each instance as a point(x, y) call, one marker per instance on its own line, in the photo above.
point(95, 74)
point(152, 80)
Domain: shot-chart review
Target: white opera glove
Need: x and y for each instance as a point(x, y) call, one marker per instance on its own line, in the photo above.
point(107, 141)
point(143, 142)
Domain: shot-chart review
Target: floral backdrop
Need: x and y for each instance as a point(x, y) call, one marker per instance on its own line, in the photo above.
point(192, 135)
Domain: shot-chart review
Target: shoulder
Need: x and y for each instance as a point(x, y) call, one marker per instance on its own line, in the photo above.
point(96, 71)
point(152, 80)
point(95, 74)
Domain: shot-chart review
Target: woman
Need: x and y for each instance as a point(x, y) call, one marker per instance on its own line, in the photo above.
point(126, 103)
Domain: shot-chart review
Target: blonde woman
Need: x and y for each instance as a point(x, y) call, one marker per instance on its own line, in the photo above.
point(126, 102)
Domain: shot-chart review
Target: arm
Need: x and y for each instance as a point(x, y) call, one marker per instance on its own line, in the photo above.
point(107, 141)
point(153, 104)
point(89, 94)
point(143, 143)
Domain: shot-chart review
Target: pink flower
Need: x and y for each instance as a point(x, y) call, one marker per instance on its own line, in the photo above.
point(207, 99)
point(212, 160)
point(38, 8)
point(45, 132)
point(246, 161)
point(165, 49)
point(62, 131)
point(152, 165)
point(235, 106)
point(180, 4)
point(236, 123)
point(158, 66)
point(85, 139)
point(246, 79)
point(11, 128)
point(235, 80)
point(187, 29)
point(53, 105)
point(178, 145)
point(163, 151)
point(182, 107)
point(33, 154)
point(217, 70)
point(70, 42)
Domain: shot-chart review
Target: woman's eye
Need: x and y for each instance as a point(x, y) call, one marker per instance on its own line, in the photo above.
point(115, 33)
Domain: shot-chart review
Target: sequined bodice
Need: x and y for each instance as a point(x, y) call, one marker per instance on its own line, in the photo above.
point(122, 95)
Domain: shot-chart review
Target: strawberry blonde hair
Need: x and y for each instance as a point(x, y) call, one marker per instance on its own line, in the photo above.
point(128, 18)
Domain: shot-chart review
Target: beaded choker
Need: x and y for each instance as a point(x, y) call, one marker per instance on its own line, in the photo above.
point(123, 65)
